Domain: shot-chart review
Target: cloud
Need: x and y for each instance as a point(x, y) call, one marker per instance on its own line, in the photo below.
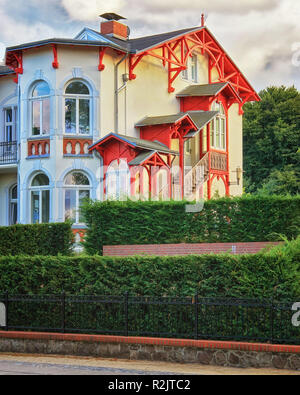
point(88, 10)
point(258, 34)
point(219, 6)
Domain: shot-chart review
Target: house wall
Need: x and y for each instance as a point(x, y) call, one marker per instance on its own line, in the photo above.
point(147, 95)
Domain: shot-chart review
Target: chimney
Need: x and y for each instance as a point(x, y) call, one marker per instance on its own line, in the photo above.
point(112, 27)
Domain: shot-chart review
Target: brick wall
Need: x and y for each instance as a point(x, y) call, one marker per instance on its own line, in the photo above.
point(187, 249)
point(205, 352)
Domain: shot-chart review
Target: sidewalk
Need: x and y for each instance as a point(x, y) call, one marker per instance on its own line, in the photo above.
point(125, 366)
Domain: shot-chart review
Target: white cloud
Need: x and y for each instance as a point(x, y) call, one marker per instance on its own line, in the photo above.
point(258, 34)
point(88, 10)
point(219, 6)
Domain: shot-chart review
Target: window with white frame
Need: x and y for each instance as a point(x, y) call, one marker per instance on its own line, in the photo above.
point(191, 71)
point(10, 124)
point(40, 109)
point(77, 189)
point(40, 199)
point(77, 109)
point(13, 205)
point(218, 128)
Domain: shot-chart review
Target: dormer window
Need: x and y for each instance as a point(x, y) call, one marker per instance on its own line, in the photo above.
point(40, 109)
point(77, 109)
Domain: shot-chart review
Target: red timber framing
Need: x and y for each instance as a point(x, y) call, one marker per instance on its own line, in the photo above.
point(175, 53)
point(14, 59)
point(114, 148)
point(16, 64)
point(168, 132)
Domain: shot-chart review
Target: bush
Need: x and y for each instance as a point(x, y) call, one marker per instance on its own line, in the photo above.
point(275, 273)
point(245, 219)
point(42, 239)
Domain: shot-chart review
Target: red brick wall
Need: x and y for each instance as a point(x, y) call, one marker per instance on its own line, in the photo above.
point(187, 249)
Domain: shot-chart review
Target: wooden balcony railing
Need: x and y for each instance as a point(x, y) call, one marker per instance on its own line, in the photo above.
point(218, 161)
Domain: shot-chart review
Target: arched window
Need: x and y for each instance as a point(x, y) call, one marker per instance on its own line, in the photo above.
point(40, 109)
point(218, 128)
point(13, 205)
point(40, 199)
point(77, 189)
point(77, 109)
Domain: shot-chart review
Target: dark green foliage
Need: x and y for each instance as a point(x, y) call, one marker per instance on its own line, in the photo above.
point(253, 218)
point(271, 142)
point(274, 273)
point(42, 239)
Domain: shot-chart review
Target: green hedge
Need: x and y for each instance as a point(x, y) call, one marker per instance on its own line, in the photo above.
point(274, 273)
point(43, 239)
point(243, 219)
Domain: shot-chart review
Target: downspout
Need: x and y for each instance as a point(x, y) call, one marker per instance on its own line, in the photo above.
point(117, 91)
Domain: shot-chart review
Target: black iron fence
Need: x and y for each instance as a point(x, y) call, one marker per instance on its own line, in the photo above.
point(8, 152)
point(169, 317)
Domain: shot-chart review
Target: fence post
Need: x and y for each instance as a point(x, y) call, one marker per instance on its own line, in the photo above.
point(126, 312)
point(63, 312)
point(196, 315)
point(6, 310)
point(272, 320)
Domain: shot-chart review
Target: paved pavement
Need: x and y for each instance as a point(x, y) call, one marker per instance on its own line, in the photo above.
point(22, 364)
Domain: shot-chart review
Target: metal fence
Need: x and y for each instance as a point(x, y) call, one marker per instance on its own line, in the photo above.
point(169, 317)
point(8, 152)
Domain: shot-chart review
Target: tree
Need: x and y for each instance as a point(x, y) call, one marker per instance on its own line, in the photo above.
point(271, 142)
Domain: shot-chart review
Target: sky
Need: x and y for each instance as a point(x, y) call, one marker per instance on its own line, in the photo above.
point(261, 36)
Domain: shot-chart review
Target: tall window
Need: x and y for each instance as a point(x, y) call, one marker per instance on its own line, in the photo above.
point(218, 128)
point(40, 105)
point(77, 109)
point(40, 199)
point(77, 189)
point(10, 122)
point(13, 205)
point(191, 72)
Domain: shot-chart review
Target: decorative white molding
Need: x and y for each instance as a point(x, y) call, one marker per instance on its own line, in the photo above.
point(77, 72)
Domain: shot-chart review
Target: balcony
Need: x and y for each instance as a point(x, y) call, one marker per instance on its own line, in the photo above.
point(8, 153)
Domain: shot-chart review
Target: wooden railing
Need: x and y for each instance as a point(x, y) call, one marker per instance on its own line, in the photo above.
point(197, 176)
point(218, 161)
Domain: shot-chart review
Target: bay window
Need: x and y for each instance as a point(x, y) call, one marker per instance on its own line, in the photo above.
point(77, 189)
point(77, 109)
point(40, 109)
point(40, 199)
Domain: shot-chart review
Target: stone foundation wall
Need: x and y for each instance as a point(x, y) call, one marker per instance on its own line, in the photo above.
point(233, 354)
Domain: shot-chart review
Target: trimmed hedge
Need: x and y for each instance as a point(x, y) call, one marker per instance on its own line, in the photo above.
point(274, 273)
point(40, 239)
point(242, 219)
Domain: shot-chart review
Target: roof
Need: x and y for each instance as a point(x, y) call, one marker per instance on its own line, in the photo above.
point(136, 142)
point(132, 45)
point(160, 120)
point(67, 41)
point(199, 118)
point(144, 43)
point(4, 70)
point(143, 157)
point(203, 90)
